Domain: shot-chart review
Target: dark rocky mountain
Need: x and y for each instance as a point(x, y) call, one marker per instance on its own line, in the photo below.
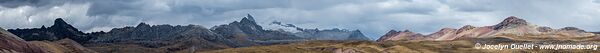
point(511, 21)
point(10, 43)
point(248, 29)
point(162, 37)
point(59, 30)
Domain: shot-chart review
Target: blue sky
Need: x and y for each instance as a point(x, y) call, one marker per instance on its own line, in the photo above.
point(372, 17)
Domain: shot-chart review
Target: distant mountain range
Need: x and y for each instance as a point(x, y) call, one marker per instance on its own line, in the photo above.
point(168, 38)
point(510, 26)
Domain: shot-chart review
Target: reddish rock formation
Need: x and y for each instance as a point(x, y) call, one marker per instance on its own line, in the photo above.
point(511, 21)
point(465, 28)
point(511, 25)
point(443, 32)
point(401, 35)
point(10, 42)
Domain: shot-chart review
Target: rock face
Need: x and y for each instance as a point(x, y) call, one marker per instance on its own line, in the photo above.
point(12, 43)
point(58, 31)
point(509, 26)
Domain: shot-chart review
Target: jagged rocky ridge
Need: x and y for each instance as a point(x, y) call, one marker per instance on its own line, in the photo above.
point(58, 31)
point(168, 38)
point(161, 37)
point(509, 26)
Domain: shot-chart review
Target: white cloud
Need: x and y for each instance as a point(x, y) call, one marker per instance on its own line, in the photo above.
point(28, 16)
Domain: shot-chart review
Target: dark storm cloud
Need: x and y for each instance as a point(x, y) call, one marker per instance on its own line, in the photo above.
point(36, 3)
point(372, 17)
point(111, 7)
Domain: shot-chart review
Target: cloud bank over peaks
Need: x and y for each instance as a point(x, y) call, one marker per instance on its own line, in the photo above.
point(372, 17)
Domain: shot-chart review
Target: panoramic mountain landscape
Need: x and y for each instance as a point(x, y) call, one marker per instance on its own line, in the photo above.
point(247, 36)
point(299, 26)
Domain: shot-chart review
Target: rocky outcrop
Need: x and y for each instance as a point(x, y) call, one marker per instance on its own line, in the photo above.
point(465, 28)
point(571, 29)
point(510, 22)
point(405, 35)
point(11, 43)
point(544, 29)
